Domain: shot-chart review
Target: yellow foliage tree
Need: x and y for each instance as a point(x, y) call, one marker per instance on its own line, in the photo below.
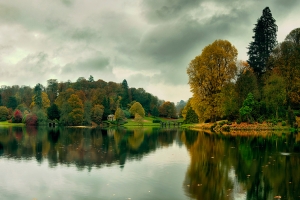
point(45, 101)
point(208, 73)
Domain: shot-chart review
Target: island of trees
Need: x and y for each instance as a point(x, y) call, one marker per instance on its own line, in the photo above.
point(266, 87)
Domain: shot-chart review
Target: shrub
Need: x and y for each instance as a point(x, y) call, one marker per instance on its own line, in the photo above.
point(3, 113)
point(283, 123)
point(274, 121)
point(17, 116)
point(156, 121)
point(226, 128)
point(260, 120)
point(238, 121)
point(222, 123)
point(31, 120)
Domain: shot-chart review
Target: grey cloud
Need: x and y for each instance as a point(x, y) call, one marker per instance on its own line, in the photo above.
point(67, 2)
point(166, 10)
point(92, 64)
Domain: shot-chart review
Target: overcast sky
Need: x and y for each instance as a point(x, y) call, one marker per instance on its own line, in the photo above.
point(147, 42)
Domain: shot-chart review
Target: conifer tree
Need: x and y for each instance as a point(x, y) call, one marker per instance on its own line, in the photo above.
point(265, 34)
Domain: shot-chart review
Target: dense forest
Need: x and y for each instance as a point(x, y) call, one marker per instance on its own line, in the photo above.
point(79, 103)
point(265, 87)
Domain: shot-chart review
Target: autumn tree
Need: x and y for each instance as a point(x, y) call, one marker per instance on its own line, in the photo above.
point(17, 116)
point(45, 102)
point(97, 113)
point(208, 73)
point(264, 41)
point(76, 114)
point(119, 115)
point(286, 59)
point(167, 109)
point(137, 108)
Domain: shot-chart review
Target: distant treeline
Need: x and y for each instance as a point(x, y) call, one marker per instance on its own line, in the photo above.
point(77, 103)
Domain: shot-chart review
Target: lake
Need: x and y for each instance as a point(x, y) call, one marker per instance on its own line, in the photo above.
point(147, 163)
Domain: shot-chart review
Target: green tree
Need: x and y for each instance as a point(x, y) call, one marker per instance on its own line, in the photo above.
point(137, 108)
point(191, 116)
point(3, 113)
point(274, 92)
point(91, 79)
point(208, 73)
point(265, 34)
point(87, 115)
point(37, 99)
point(12, 102)
point(106, 108)
point(246, 109)
point(53, 112)
point(97, 114)
point(246, 82)
point(64, 113)
point(52, 89)
point(125, 94)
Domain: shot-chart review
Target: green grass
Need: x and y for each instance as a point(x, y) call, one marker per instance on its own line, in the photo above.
point(7, 124)
point(148, 121)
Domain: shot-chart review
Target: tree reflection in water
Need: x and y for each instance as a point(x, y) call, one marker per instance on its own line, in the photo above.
point(242, 167)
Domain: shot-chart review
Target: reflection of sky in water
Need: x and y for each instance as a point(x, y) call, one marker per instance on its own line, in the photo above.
point(237, 191)
point(161, 172)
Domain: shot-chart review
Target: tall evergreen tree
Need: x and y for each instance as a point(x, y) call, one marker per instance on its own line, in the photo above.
point(265, 34)
point(38, 96)
point(125, 94)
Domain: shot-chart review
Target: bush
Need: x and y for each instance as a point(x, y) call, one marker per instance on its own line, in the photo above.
point(283, 123)
point(3, 113)
point(221, 123)
point(31, 120)
point(226, 128)
point(260, 120)
point(17, 117)
point(274, 121)
point(156, 121)
point(238, 121)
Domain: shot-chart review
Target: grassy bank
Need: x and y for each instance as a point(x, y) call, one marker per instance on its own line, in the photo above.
point(7, 124)
point(148, 121)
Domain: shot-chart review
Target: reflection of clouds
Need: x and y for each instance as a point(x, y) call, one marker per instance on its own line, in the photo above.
point(238, 192)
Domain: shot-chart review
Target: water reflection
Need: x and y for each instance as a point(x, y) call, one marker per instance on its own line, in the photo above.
point(82, 147)
point(243, 167)
point(234, 166)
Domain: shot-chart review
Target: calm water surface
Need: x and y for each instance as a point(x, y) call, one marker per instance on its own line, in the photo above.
point(147, 163)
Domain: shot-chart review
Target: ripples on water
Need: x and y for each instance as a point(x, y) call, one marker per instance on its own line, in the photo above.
point(147, 163)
